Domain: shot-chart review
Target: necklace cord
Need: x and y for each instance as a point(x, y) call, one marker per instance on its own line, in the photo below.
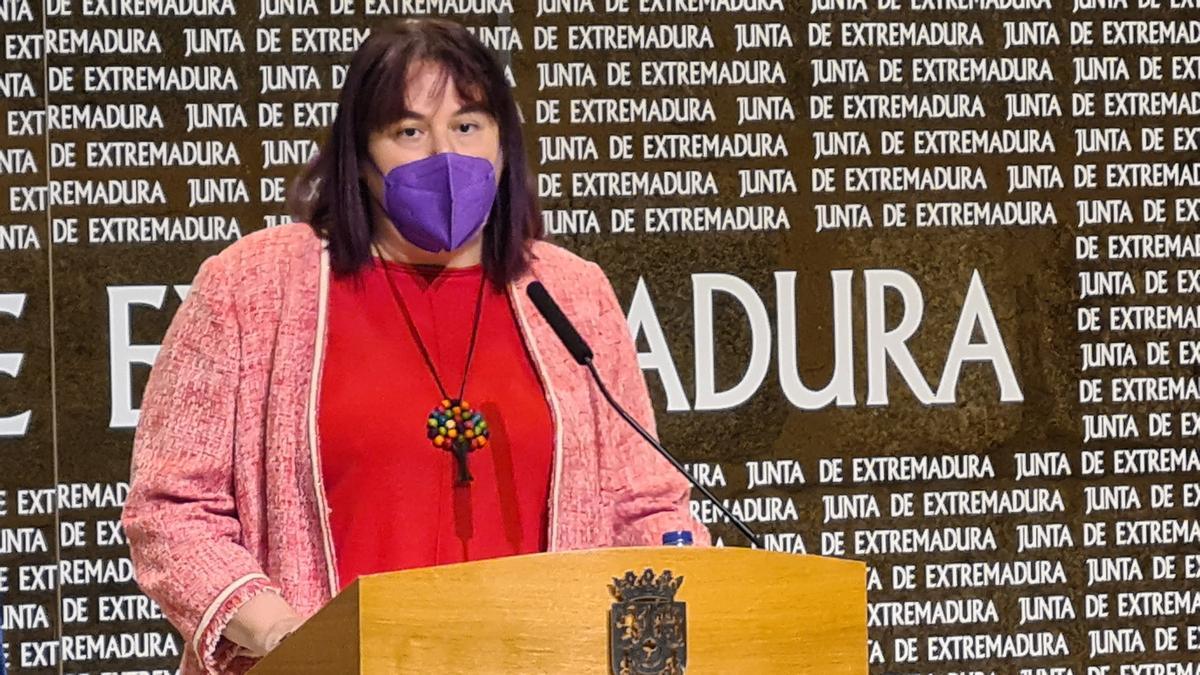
point(412, 327)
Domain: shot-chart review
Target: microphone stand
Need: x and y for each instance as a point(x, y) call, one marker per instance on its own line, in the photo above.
point(663, 451)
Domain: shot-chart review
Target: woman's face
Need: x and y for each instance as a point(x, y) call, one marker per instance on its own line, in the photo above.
point(437, 124)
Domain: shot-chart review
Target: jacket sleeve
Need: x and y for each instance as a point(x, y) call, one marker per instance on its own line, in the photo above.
point(648, 496)
point(180, 516)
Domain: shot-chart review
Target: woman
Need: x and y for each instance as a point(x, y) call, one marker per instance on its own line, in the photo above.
point(371, 389)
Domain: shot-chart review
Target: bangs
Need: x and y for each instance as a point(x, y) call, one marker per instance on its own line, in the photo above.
point(387, 87)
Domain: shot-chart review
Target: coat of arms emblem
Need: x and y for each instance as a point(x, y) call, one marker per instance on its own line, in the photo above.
point(647, 627)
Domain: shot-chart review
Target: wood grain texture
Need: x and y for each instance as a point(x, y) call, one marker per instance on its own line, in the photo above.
point(748, 612)
point(326, 643)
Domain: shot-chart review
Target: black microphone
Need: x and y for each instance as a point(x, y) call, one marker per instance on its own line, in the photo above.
point(583, 354)
point(559, 322)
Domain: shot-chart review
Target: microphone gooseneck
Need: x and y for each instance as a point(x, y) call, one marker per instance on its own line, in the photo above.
point(582, 354)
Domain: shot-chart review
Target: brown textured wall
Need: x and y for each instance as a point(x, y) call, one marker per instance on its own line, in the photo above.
point(1030, 273)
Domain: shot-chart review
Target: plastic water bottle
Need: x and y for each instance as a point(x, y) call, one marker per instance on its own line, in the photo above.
point(677, 538)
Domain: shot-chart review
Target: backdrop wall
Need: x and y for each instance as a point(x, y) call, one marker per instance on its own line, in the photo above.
point(914, 281)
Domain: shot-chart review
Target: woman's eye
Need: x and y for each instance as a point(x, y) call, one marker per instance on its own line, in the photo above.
point(465, 126)
point(404, 132)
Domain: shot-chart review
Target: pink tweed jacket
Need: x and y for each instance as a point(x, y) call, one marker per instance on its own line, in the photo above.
point(226, 499)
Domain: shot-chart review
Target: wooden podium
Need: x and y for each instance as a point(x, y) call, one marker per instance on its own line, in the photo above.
point(747, 611)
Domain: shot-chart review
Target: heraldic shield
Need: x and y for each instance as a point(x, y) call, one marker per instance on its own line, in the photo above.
point(647, 627)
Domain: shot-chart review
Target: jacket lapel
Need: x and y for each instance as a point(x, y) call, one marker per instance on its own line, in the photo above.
point(539, 338)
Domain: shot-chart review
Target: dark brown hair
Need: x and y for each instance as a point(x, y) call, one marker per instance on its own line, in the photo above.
point(329, 195)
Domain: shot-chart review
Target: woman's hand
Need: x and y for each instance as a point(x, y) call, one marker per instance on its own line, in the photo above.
point(261, 624)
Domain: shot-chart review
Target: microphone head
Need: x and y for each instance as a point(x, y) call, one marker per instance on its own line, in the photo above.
point(539, 295)
point(558, 321)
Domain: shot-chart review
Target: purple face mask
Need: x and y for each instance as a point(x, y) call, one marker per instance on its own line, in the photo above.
point(440, 202)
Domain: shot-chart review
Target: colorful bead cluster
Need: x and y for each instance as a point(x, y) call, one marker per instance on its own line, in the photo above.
point(455, 423)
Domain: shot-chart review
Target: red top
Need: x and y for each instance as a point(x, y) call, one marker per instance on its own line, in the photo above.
point(392, 494)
